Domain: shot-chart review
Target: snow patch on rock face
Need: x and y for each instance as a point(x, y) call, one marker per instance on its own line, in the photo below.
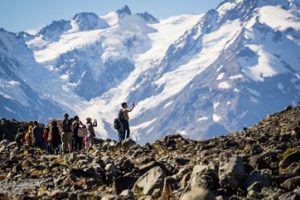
point(168, 104)
point(68, 42)
point(220, 76)
point(216, 105)
point(203, 118)
point(239, 76)
point(225, 7)
point(224, 85)
point(216, 118)
point(279, 18)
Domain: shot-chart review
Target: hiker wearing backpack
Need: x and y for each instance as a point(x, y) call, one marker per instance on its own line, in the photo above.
point(124, 119)
point(77, 134)
point(20, 137)
point(66, 134)
point(37, 134)
point(90, 129)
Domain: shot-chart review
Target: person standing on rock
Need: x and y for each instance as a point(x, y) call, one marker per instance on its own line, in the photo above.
point(66, 135)
point(78, 139)
point(124, 119)
point(19, 137)
point(28, 136)
point(46, 143)
point(54, 138)
point(90, 129)
point(37, 134)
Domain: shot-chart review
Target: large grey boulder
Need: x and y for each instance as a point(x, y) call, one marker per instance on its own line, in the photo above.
point(231, 170)
point(151, 181)
point(204, 175)
point(263, 177)
point(292, 183)
point(127, 143)
point(127, 194)
point(198, 194)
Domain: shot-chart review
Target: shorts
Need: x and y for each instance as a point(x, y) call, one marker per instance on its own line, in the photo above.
point(66, 138)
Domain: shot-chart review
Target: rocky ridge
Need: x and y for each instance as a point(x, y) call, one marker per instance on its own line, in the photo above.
point(259, 162)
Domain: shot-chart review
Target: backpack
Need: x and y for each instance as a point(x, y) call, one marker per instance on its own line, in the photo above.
point(82, 132)
point(66, 126)
point(117, 124)
point(121, 115)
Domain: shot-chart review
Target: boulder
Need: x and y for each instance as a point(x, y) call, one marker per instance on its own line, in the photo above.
point(291, 184)
point(170, 185)
point(151, 180)
point(111, 169)
point(127, 194)
point(127, 143)
point(289, 196)
point(125, 165)
point(198, 194)
point(263, 177)
point(182, 161)
point(123, 183)
point(256, 187)
point(183, 171)
point(204, 175)
point(257, 162)
point(289, 159)
point(147, 166)
point(231, 170)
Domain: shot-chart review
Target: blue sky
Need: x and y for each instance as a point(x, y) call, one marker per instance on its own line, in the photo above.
point(17, 15)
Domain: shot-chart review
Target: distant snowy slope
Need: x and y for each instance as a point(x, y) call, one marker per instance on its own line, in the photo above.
point(106, 107)
point(18, 98)
point(219, 76)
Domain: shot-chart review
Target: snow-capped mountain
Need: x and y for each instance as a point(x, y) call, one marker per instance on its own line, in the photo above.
point(198, 75)
point(29, 91)
point(18, 99)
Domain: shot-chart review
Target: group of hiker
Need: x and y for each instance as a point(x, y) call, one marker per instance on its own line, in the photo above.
point(57, 137)
point(70, 134)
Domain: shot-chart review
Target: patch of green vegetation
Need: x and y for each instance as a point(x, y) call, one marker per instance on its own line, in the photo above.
point(288, 151)
point(282, 155)
point(138, 192)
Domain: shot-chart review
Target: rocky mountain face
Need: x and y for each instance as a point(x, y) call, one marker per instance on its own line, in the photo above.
point(229, 65)
point(259, 162)
point(197, 75)
point(19, 95)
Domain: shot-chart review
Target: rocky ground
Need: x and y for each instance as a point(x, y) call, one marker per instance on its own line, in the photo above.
point(260, 162)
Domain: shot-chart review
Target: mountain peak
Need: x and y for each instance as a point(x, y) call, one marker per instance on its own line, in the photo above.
point(89, 21)
point(148, 17)
point(55, 29)
point(84, 15)
point(125, 10)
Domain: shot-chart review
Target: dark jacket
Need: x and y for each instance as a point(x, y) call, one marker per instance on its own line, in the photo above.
point(37, 135)
point(56, 139)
